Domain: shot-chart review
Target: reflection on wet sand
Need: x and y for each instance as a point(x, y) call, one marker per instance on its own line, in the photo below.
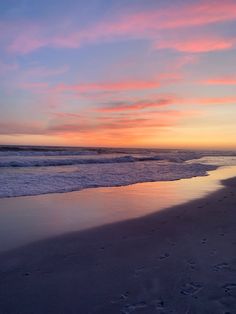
point(26, 219)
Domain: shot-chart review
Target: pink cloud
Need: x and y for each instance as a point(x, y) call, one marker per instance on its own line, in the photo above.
point(24, 44)
point(36, 79)
point(216, 100)
point(70, 125)
point(138, 25)
point(223, 80)
point(108, 87)
point(29, 78)
point(209, 100)
point(63, 115)
point(34, 85)
point(164, 100)
point(76, 124)
point(198, 45)
point(25, 37)
point(145, 24)
point(201, 13)
point(100, 91)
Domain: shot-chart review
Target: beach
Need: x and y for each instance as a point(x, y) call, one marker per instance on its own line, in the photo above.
point(118, 157)
point(179, 260)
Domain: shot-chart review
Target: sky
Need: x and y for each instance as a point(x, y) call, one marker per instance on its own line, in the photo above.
point(128, 73)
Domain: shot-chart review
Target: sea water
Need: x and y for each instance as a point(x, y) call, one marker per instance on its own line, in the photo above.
point(26, 170)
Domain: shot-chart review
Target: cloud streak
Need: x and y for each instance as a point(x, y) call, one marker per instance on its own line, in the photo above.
point(139, 25)
point(215, 100)
point(196, 45)
point(221, 80)
point(165, 100)
point(108, 86)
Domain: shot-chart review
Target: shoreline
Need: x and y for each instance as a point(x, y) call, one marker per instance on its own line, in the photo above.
point(180, 260)
point(28, 219)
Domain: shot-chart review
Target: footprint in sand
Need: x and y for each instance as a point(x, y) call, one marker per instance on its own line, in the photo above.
point(26, 274)
point(191, 288)
point(191, 264)
point(228, 302)
point(155, 304)
point(158, 304)
point(229, 287)
point(122, 298)
point(164, 256)
point(130, 308)
point(221, 266)
point(204, 241)
point(138, 271)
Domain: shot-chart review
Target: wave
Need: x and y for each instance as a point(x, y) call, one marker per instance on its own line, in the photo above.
point(53, 159)
point(35, 181)
point(33, 162)
point(44, 153)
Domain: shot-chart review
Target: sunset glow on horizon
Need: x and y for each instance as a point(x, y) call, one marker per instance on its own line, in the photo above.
point(118, 74)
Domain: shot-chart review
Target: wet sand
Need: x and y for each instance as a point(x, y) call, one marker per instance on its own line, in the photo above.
point(181, 260)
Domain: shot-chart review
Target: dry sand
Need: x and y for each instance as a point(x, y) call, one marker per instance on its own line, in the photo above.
point(181, 260)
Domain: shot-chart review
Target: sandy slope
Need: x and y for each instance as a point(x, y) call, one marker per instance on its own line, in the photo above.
point(182, 260)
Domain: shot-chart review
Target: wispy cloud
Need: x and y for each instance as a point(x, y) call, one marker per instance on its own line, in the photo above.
point(138, 25)
point(8, 67)
point(221, 80)
point(42, 71)
point(108, 86)
point(156, 102)
point(87, 125)
point(196, 45)
point(67, 123)
point(198, 101)
point(163, 100)
point(20, 128)
point(34, 86)
point(214, 100)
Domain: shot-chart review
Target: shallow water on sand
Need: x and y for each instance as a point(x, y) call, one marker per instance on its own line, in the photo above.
point(30, 218)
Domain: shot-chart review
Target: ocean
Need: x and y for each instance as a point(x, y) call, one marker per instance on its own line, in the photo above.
point(35, 170)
